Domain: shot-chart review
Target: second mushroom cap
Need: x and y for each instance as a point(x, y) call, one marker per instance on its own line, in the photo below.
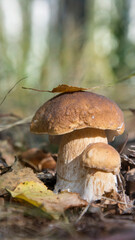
point(101, 156)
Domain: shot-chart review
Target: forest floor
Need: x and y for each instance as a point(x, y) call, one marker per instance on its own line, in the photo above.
point(110, 218)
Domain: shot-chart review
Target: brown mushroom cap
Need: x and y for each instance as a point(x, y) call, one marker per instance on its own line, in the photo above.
point(77, 110)
point(101, 156)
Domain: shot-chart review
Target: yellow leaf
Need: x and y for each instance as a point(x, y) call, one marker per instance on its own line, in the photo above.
point(39, 196)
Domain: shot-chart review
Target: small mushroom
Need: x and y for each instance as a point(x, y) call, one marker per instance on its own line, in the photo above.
point(102, 163)
point(82, 118)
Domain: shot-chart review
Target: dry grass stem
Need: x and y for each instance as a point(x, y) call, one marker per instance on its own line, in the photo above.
point(20, 80)
point(83, 213)
point(123, 191)
point(20, 122)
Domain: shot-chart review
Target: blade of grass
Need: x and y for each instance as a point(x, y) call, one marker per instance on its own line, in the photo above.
point(12, 89)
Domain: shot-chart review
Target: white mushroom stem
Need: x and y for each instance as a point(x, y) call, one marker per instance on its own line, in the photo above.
point(70, 174)
point(98, 183)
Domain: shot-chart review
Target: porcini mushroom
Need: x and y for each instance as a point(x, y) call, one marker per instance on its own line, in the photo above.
point(102, 163)
point(82, 118)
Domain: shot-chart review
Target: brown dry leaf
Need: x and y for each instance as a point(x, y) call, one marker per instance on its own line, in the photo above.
point(38, 195)
point(60, 89)
point(7, 151)
point(39, 160)
point(10, 180)
point(65, 88)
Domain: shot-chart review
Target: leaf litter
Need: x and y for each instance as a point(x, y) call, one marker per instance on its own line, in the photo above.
point(94, 221)
point(18, 173)
point(38, 195)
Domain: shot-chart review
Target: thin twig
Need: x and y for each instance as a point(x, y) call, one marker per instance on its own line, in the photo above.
point(20, 122)
point(127, 159)
point(132, 146)
point(114, 200)
point(126, 77)
point(123, 191)
point(83, 212)
point(10, 115)
point(37, 90)
point(123, 146)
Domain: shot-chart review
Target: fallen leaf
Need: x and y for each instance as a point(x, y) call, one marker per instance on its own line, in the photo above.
point(39, 160)
point(65, 88)
point(7, 151)
point(60, 89)
point(10, 180)
point(53, 204)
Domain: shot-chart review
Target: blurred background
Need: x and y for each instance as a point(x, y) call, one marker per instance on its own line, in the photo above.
point(81, 43)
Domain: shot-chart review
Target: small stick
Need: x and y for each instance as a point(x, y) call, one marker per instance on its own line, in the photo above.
point(6, 115)
point(123, 146)
point(22, 121)
point(123, 191)
point(83, 212)
point(114, 200)
point(34, 89)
